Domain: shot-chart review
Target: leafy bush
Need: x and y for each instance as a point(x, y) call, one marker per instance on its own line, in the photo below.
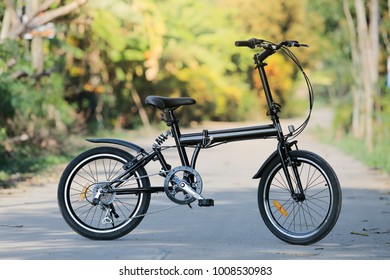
point(34, 119)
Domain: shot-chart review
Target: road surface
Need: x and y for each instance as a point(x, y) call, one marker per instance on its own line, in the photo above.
point(31, 227)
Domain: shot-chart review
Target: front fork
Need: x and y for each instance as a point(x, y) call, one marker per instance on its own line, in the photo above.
point(283, 150)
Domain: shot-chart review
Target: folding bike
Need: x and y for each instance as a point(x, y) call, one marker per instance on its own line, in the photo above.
point(104, 193)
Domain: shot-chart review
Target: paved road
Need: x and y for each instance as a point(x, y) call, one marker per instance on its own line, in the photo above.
point(31, 227)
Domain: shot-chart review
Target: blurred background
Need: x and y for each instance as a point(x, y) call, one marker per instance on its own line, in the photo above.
point(71, 68)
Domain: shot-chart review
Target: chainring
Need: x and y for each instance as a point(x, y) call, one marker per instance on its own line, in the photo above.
point(178, 176)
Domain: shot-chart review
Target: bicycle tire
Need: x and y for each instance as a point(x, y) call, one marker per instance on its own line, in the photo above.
point(300, 222)
point(76, 190)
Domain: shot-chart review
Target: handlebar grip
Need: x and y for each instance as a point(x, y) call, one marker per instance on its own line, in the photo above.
point(241, 44)
point(251, 43)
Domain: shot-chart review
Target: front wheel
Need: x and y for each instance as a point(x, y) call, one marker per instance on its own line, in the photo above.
point(116, 214)
point(295, 217)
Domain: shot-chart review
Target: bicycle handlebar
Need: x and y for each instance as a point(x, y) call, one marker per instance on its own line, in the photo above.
point(253, 43)
point(270, 49)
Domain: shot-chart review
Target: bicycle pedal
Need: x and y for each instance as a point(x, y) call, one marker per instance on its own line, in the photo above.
point(207, 202)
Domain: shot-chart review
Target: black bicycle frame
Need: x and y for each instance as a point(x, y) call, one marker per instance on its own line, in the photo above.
point(207, 138)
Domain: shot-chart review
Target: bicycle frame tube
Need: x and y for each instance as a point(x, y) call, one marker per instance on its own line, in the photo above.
point(230, 135)
point(132, 166)
point(176, 135)
point(272, 106)
point(263, 76)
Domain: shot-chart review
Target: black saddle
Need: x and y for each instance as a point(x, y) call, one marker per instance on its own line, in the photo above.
point(168, 103)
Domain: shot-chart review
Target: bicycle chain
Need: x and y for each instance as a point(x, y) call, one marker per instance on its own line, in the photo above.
point(153, 212)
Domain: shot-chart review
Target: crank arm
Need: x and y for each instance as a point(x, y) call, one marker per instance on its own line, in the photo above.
point(184, 187)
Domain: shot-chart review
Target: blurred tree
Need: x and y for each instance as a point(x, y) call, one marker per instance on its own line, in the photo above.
point(33, 20)
point(363, 26)
point(355, 36)
point(118, 45)
point(200, 60)
point(276, 21)
point(34, 116)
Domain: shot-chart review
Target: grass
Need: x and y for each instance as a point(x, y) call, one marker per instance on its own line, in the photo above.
point(378, 158)
point(20, 167)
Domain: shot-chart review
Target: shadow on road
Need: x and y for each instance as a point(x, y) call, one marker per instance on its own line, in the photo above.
point(233, 229)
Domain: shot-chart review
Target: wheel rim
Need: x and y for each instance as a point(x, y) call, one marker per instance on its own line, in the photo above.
point(298, 219)
point(83, 182)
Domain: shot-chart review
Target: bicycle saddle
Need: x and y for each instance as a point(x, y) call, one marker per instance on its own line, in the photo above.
point(169, 103)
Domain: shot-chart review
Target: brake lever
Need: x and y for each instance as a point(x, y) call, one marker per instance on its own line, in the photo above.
point(293, 44)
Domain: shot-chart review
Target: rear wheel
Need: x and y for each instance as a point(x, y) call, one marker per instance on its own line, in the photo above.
point(298, 218)
point(116, 214)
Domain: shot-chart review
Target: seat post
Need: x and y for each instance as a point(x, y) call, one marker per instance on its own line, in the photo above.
point(175, 129)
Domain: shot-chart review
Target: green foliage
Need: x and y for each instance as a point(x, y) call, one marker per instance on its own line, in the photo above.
point(33, 114)
point(276, 21)
point(111, 53)
point(343, 118)
point(377, 159)
point(162, 48)
point(176, 48)
point(343, 137)
point(343, 90)
point(198, 60)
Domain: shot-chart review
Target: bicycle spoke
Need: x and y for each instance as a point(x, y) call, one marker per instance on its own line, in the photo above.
point(83, 188)
point(300, 217)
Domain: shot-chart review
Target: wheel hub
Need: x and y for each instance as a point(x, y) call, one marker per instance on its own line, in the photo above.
point(105, 197)
point(298, 197)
